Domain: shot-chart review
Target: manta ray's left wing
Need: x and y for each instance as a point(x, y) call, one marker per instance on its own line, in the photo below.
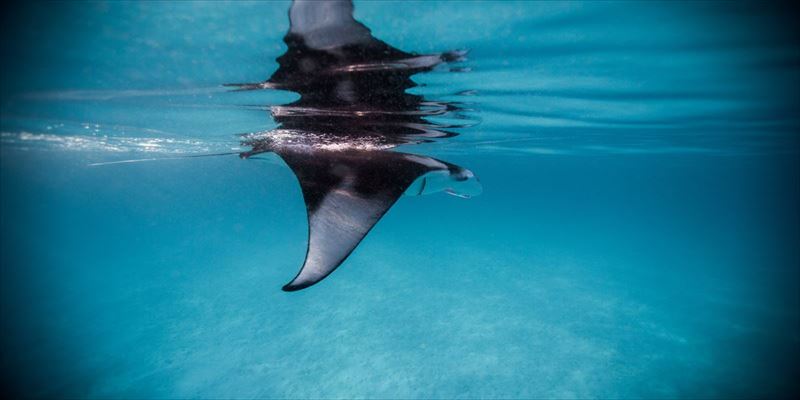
point(346, 193)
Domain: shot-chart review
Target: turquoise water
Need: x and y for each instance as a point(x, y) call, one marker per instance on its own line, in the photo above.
point(637, 234)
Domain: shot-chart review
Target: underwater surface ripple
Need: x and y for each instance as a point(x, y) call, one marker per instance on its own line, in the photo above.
point(636, 235)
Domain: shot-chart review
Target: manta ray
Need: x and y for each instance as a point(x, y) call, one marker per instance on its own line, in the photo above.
point(337, 138)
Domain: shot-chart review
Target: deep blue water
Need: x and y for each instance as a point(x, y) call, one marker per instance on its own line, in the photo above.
point(637, 234)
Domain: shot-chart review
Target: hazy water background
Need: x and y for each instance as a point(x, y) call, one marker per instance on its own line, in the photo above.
point(637, 235)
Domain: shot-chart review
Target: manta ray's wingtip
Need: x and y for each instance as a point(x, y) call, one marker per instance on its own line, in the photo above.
point(310, 276)
point(292, 287)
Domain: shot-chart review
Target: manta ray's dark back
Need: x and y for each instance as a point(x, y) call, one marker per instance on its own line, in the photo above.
point(353, 108)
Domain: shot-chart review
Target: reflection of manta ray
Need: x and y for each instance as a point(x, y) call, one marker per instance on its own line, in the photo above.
point(353, 107)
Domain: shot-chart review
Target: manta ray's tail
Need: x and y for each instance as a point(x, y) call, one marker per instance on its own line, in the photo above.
point(137, 160)
point(346, 193)
point(238, 87)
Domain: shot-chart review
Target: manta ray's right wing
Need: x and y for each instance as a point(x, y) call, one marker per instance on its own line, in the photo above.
point(346, 193)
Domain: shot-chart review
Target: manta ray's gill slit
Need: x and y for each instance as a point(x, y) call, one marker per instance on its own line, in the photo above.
point(354, 106)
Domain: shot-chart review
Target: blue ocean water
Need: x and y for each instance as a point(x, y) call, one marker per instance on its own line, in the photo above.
point(637, 235)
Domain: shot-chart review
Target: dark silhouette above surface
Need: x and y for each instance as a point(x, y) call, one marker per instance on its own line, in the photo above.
point(353, 108)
